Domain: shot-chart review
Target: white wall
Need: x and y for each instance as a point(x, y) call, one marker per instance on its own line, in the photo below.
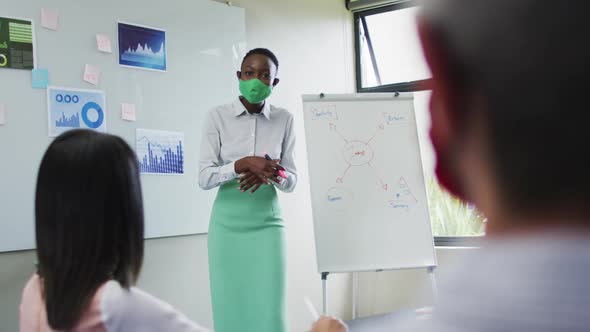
point(384, 292)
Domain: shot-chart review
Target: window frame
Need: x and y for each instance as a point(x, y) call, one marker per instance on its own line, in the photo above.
point(412, 86)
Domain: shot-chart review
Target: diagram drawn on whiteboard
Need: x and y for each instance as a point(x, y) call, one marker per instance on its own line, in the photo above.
point(403, 197)
point(338, 197)
point(360, 153)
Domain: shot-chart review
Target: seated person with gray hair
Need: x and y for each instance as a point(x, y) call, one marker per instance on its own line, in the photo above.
point(509, 128)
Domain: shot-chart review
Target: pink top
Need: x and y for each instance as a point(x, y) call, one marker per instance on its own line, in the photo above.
point(112, 309)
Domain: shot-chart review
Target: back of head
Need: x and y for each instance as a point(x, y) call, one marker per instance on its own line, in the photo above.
point(89, 221)
point(527, 62)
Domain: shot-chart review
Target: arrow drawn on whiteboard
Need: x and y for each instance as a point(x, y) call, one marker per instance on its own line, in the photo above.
point(333, 128)
point(341, 179)
point(379, 129)
point(384, 185)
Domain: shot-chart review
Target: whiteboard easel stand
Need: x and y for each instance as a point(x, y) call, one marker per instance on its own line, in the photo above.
point(355, 285)
point(325, 293)
point(324, 275)
point(429, 270)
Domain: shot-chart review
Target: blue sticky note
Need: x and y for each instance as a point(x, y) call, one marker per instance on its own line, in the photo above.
point(40, 78)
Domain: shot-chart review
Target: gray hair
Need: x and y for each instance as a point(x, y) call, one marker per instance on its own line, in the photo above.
point(530, 61)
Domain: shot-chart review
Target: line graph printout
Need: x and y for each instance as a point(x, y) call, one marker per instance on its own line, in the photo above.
point(160, 152)
point(367, 184)
point(142, 47)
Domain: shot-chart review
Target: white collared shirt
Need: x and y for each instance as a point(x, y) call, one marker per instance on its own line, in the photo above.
point(231, 133)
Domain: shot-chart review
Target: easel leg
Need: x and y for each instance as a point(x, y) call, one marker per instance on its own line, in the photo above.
point(324, 293)
point(355, 284)
point(433, 282)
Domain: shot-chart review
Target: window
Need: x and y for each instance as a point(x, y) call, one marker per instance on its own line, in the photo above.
point(389, 58)
point(389, 55)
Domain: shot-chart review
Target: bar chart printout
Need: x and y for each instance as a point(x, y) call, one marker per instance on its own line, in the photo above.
point(160, 152)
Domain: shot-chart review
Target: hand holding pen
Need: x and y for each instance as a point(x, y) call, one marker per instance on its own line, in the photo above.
point(255, 171)
point(281, 171)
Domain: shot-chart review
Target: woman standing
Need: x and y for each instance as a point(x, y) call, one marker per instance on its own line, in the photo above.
point(246, 236)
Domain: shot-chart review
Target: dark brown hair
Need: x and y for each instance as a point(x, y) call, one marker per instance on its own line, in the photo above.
point(89, 221)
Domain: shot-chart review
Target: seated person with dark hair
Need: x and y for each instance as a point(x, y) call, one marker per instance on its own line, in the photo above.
point(89, 232)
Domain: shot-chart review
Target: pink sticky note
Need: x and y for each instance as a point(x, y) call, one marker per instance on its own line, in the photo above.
point(2, 114)
point(49, 18)
point(103, 43)
point(128, 112)
point(91, 74)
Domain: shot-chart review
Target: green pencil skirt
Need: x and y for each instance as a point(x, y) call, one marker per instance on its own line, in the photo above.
point(247, 261)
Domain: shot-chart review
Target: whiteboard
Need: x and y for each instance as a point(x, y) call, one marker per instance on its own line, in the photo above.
point(205, 41)
point(368, 194)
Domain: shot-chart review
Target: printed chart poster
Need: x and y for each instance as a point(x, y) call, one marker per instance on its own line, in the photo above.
point(160, 152)
point(16, 43)
point(75, 108)
point(142, 47)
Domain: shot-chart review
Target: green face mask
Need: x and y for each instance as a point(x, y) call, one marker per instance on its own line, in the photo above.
point(254, 90)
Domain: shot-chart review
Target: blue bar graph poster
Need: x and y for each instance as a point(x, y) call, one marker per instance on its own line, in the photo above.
point(159, 151)
point(75, 108)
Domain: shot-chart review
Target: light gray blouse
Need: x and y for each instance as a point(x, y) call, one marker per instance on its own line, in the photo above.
point(231, 133)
